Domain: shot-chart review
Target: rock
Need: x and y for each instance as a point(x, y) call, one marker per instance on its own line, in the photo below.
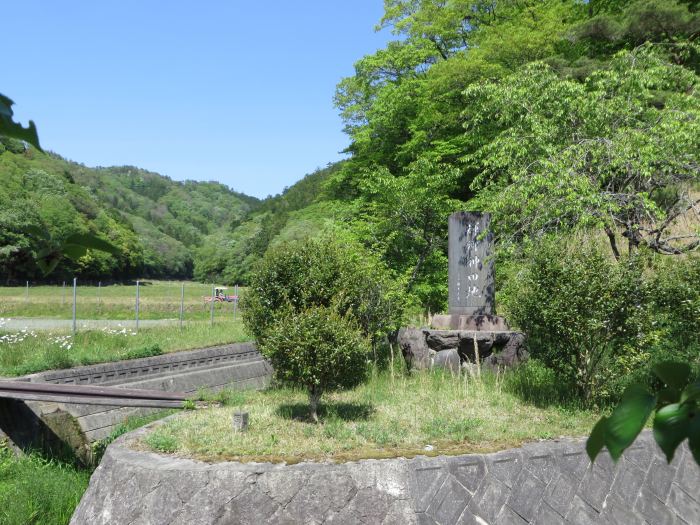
point(441, 340)
point(484, 340)
point(512, 354)
point(449, 360)
point(414, 348)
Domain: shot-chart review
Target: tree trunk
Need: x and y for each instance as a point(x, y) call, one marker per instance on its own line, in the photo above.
point(314, 399)
point(414, 275)
point(613, 242)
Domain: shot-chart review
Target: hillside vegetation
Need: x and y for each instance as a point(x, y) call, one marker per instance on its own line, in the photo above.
point(555, 116)
point(157, 223)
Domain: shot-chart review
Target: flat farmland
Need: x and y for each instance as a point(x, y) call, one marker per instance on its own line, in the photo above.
point(157, 300)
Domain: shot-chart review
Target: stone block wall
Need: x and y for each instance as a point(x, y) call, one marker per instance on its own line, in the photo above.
point(545, 483)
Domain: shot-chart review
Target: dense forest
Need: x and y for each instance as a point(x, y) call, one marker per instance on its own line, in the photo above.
point(556, 116)
point(156, 223)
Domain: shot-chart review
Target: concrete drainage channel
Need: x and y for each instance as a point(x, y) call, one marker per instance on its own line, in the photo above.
point(542, 483)
point(55, 425)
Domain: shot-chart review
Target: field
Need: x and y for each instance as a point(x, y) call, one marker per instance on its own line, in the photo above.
point(111, 334)
point(33, 351)
point(158, 300)
point(391, 415)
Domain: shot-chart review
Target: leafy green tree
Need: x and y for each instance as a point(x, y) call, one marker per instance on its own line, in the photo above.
point(617, 152)
point(405, 219)
point(317, 349)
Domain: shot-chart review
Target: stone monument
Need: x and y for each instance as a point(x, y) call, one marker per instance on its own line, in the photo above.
point(470, 334)
point(471, 275)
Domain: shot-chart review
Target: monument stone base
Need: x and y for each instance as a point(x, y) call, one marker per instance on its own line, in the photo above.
point(455, 350)
point(482, 322)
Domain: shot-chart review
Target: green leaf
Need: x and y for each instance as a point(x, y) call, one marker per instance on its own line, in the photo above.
point(675, 375)
point(92, 242)
point(11, 129)
point(694, 436)
point(668, 396)
point(628, 419)
point(74, 251)
point(671, 426)
point(596, 441)
point(691, 393)
point(36, 231)
point(48, 265)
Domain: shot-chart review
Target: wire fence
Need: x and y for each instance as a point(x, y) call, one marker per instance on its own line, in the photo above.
point(142, 303)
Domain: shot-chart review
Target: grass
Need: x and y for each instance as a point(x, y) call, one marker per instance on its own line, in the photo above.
point(27, 352)
point(157, 300)
point(391, 415)
point(36, 490)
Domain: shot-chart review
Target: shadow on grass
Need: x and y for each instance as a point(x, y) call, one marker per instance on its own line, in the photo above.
point(344, 411)
point(535, 384)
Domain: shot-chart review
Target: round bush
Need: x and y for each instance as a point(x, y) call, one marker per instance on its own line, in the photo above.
point(317, 349)
point(322, 272)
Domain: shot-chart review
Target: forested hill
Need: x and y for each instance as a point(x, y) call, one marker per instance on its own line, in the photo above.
point(553, 115)
point(305, 208)
point(157, 223)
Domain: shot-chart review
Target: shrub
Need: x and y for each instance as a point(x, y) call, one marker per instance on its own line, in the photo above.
point(322, 272)
point(318, 349)
point(675, 295)
point(582, 311)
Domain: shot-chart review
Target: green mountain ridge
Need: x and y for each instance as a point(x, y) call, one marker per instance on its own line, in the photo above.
point(157, 223)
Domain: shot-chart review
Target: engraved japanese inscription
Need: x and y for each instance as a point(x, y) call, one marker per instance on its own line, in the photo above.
point(470, 250)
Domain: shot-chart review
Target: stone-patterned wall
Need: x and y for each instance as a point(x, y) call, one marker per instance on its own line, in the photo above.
point(543, 483)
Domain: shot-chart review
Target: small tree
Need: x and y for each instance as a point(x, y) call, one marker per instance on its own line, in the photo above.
point(318, 349)
point(314, 306)
point(322, 272)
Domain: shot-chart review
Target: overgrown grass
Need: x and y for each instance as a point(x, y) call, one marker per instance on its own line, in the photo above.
point(42, 491)
point(30, 352)
point(36, 490)
point(391, 415)
point(131, 423)
point(157, 300)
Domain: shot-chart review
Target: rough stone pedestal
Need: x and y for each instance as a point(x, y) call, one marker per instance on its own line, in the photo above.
point(454, 349)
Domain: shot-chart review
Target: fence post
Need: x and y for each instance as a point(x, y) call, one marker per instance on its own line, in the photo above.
point(26, 295)
point(235, 301)
point(137, 306)
point(99, 289)
point(211, 310)
point(182, 303)
point(75, 295)
point(63, 297)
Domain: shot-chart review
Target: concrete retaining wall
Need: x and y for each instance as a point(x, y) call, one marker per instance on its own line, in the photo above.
point(544, 483)
point(237, 365)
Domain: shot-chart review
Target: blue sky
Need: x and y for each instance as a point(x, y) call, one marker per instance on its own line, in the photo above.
point(239, 92)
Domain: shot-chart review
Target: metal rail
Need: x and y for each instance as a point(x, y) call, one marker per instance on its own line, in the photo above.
point(91, 395)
